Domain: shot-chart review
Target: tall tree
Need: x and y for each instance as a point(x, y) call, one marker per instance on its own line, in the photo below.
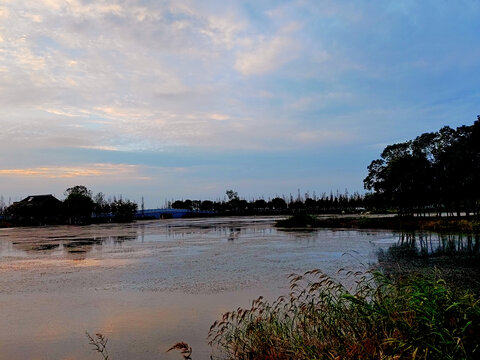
point(438, 170)
point(79, 204)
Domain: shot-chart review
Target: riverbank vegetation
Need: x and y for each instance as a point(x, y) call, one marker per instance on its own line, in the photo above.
point(382, 318)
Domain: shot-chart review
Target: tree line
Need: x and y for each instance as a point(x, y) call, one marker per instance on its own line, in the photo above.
point(233, 204)
point(437, 172)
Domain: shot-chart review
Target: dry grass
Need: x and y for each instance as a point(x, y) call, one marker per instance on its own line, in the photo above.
point(184, 349)
point(99, 343)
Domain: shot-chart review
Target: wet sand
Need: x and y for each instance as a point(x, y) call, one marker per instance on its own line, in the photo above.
point(150, 284)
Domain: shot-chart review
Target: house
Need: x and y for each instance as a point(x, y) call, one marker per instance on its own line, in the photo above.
point(36, 210)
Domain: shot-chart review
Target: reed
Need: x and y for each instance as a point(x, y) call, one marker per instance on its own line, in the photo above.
point(99, 343)
point(184, 349)
point(407, 318)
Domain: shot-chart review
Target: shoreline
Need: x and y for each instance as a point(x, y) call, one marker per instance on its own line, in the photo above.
point(387, 222)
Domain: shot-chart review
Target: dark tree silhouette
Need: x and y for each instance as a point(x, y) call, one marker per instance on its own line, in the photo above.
point(123, 210)
point(278, 203)
point(79, 204)
point(434, 172)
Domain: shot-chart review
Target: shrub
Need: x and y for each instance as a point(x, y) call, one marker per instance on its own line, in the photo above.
point(299, 220)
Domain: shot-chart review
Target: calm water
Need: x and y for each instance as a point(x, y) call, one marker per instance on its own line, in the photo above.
point(150, 284)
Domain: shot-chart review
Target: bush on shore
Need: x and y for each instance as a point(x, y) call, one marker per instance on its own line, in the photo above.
point(299, 220)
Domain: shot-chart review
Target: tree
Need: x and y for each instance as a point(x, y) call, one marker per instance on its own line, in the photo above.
point(260, 204)
point(188, 204)
point(310, 204)
point(400, 177)
point(278, 204)
point(123, 210)
point(232, 195)
point(206, 205)
point(233, 200)
point(178, 204)
point(3, 207)
point(79, 204)
point(438, 171)
point(101, 206)
point(78, 190)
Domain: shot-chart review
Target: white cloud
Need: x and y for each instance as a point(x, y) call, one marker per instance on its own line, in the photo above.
point(224, 30)
point(60, 112)
point(268, 54)
point(150, 75)
point(4, 12)
point(219, 117)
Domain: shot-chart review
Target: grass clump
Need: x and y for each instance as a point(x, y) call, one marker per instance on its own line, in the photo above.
point(406, 318)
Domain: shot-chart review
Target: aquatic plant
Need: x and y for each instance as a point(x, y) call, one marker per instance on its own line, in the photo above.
point(414, 317)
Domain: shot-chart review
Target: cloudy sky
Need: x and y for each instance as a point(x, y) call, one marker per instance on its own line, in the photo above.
point(185, 99)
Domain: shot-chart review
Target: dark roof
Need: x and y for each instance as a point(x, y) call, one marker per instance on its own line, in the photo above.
point(40, 199)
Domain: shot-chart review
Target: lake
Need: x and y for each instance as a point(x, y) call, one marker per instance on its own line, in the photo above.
point(150, 284)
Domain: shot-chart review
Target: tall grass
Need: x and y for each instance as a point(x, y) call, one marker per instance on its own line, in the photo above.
point(407, 318)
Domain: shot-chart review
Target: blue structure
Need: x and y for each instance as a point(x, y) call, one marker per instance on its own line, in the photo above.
point(167, 213)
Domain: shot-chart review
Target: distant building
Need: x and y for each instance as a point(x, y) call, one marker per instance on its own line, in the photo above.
point(36, 210)
point(41, 200)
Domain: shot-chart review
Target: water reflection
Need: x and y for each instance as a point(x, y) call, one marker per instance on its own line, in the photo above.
point(452, 257)
point(74, 242)
point(78, 247)
point(430, 245)
point(234, 233)
point(44, 247)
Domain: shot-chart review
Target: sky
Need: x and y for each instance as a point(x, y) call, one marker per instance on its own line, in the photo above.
point(186, 99)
